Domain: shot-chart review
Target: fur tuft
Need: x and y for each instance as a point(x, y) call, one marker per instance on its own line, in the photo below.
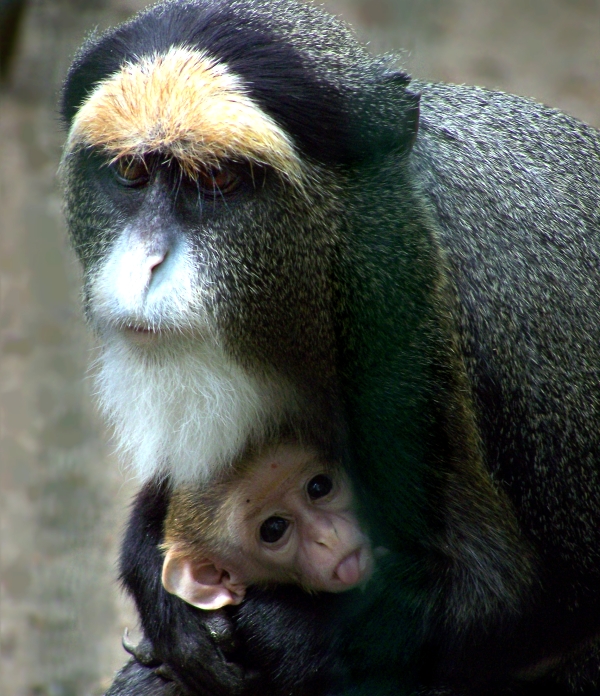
point(186, 105)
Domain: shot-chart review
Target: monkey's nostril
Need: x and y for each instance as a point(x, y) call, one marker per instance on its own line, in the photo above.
point(156, 260)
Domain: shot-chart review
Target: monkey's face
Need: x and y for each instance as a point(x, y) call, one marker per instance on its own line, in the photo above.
point(287, 517)
point(194, 214)
point(293, 519)
point(207, 246)
point(164, 245)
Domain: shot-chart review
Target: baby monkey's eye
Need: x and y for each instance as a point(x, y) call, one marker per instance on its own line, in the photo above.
point(272, 529)
point(319, 486)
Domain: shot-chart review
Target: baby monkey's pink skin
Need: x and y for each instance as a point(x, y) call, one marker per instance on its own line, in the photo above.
point(288, 519)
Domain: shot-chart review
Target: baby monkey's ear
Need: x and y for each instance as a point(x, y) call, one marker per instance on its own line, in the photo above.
point(199, 581)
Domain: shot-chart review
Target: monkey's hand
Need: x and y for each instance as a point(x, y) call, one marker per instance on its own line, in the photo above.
point(198, 667)
point(137, 679)
point(143, 652)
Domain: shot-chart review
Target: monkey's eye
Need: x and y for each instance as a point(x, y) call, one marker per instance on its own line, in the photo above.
point(222, 180)
point(131, 171)
point(319, 486)
point(273, 529)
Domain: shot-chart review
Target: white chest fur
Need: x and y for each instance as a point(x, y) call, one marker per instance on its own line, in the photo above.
point(188, 411)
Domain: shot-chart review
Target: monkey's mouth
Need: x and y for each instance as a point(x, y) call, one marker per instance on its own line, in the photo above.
point(354, 568)
point(140, 333)
point(140, 329)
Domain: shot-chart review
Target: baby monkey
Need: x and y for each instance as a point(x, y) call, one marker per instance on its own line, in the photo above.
point(284, 516)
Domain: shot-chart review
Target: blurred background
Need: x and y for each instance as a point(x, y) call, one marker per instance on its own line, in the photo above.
point(63, 495)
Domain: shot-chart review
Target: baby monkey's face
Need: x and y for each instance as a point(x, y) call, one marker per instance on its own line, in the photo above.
point(295, 521)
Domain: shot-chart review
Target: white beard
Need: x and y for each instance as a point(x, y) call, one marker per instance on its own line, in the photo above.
point(186, 411)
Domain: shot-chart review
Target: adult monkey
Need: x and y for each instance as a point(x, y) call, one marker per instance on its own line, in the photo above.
point(272, 251)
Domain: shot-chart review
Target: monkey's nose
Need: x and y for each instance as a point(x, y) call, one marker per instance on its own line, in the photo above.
point(157, 269)
point(324, 533)
point(155, 261)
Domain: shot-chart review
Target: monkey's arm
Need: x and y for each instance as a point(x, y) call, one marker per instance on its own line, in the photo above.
point(189, 641)
point(278, 642)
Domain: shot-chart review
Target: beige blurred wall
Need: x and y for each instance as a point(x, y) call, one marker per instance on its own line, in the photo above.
point(63, 496)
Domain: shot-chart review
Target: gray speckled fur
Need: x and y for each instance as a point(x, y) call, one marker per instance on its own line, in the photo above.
point(521, 230)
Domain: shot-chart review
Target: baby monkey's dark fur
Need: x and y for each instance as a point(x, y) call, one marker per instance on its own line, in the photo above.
point(433, 297)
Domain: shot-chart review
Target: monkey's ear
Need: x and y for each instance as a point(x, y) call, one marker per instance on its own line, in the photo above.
point(199, 582)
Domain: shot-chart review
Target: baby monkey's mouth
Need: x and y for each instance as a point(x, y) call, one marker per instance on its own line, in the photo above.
point(354, 568)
